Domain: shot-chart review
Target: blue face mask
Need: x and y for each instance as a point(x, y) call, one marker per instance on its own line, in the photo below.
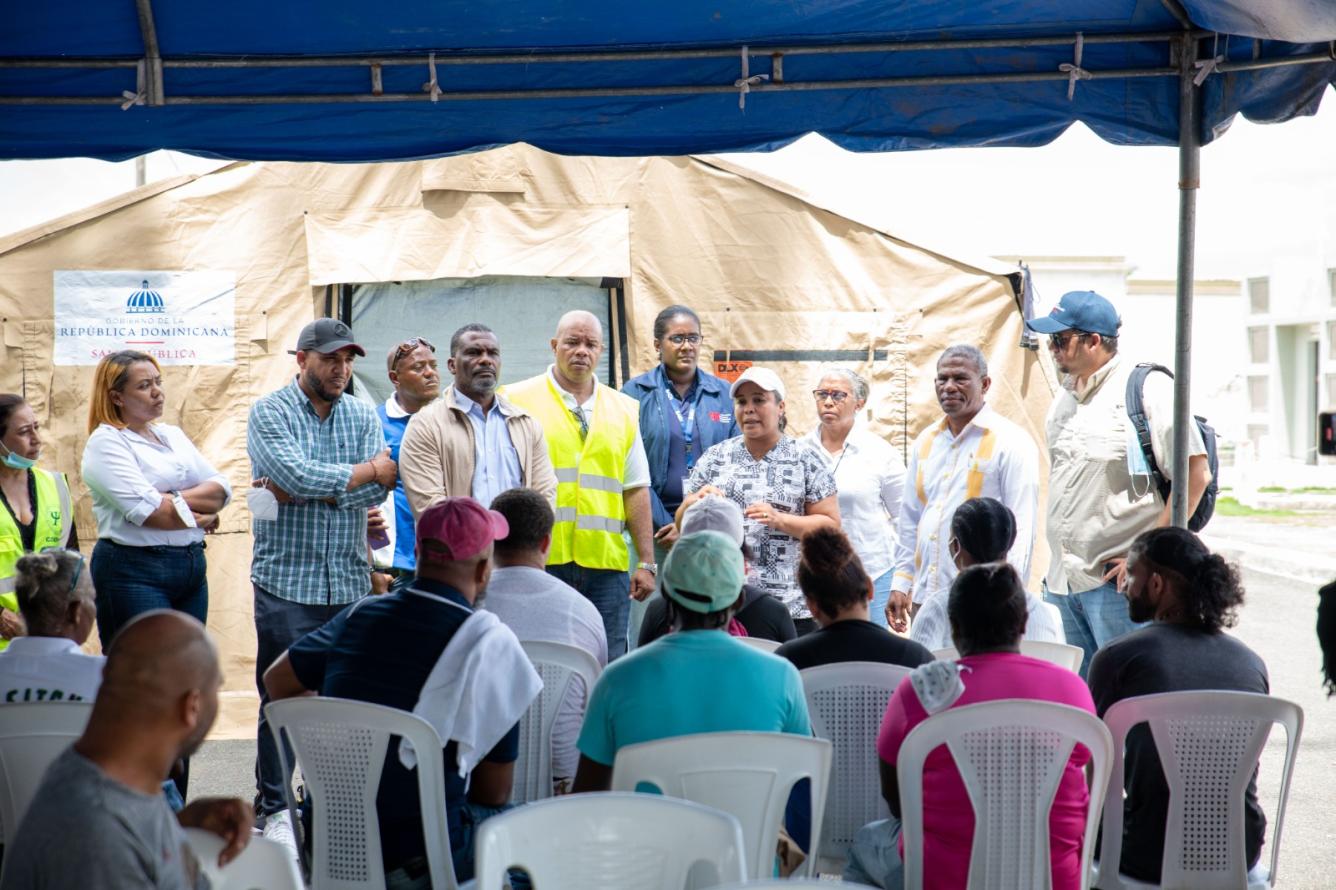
point(17, 461)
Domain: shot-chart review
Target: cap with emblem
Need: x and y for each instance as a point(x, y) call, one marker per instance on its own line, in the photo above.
point(1081, 310)
point(326, 335)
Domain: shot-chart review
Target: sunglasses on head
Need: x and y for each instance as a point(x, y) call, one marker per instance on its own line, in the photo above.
point(408, 346)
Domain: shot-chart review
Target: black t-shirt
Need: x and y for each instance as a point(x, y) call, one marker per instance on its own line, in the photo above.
point(1170, 658)
point(381, 650)
point(853, 640)
point(761, 614)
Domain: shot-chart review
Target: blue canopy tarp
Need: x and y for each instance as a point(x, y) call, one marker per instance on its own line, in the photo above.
point(334, 80)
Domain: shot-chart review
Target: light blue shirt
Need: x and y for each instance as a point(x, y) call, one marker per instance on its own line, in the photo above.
point(691, 682)
point(496, 463)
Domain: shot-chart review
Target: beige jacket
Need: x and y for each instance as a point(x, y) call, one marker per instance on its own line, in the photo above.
point(436, 455)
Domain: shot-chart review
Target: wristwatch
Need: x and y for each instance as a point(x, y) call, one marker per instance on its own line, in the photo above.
point(651, 567)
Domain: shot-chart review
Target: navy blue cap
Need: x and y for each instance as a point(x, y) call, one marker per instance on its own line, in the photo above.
point(1082, 310)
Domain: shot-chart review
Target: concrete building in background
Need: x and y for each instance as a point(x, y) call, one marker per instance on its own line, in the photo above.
point(1290, 358)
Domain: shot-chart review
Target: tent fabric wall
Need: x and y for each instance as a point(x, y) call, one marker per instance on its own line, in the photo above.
point(766, 270)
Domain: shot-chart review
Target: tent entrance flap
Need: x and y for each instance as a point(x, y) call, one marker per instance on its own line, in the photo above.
point(523, 311)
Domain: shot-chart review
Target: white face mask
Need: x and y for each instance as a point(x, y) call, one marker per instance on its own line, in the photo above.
point(262, 504)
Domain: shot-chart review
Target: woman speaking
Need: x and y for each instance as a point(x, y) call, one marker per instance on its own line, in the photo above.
point(781, 486)
point(154, 497)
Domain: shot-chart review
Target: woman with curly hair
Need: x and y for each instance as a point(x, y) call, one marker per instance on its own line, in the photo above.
point(1189, 595)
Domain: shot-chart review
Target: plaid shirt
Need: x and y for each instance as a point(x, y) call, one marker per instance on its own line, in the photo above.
point(315, 553)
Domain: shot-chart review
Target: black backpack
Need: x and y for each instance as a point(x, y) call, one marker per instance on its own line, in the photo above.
point(1136, 410)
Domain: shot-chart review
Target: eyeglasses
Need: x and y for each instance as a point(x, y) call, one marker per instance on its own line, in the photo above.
point(679, 339)
point(834, 395)
point(407, 347)
point(1059, 341)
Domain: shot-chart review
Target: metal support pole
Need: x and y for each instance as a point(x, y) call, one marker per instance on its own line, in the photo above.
point(1189, 174)
point(148, 32)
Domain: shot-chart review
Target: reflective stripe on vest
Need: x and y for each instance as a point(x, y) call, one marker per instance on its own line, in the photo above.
point(590, 512)
point(53, 519)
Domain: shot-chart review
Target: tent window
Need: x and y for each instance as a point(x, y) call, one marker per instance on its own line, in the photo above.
point(522, 311)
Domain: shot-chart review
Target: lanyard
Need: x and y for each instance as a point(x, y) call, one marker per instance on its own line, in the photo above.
point(687, 421)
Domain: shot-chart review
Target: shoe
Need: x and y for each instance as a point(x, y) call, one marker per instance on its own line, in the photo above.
point(278, 828)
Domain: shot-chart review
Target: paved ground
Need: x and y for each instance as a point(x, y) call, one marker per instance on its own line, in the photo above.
point(1277, 622)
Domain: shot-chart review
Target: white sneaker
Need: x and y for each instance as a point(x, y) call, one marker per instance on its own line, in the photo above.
point(278, 828)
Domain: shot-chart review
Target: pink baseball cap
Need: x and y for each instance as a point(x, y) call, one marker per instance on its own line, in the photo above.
point(458, 528)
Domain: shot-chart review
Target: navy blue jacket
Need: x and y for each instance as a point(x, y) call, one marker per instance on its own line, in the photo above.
point(714, 423)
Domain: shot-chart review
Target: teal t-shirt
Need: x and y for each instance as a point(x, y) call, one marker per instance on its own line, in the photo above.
point(691, 682)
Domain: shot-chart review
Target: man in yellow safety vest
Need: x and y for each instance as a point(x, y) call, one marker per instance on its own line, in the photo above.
point(593, 437)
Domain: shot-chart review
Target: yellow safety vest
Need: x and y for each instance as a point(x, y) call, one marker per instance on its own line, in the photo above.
point(590, 513)
point(54, 519)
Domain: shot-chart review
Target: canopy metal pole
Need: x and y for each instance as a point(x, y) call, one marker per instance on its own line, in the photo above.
point(1189, 175)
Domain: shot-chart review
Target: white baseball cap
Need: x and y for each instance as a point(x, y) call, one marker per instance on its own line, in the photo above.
point(762, 377)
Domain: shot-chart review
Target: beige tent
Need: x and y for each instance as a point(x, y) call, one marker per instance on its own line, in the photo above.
point(403, 249)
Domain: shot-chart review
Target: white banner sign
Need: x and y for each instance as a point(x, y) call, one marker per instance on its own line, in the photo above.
point(179, 318)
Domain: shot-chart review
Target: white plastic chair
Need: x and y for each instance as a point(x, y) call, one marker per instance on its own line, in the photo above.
point(846, 702)
point(263, 865)
point(761, 643)
point(558, 666)
point(32, 735)
point(1061, 654)
point(612, 840)
point(747, 774)
point(340, 746)
point(1011, 755)
point(1209, 744)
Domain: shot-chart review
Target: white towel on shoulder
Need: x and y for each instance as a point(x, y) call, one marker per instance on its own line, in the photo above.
point(480, 687)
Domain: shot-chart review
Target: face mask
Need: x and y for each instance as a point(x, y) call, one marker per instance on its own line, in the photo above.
point(16, 461)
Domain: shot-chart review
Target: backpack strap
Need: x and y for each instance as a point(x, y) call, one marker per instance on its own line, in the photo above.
point(1136, 411)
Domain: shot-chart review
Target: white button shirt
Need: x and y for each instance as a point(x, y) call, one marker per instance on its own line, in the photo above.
point(128, 476)
point(992, 457)
point(869, 478)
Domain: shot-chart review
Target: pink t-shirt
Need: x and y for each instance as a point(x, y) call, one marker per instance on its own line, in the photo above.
point(948, 817)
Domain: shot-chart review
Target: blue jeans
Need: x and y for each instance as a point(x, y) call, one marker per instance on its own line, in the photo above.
point(278, 624)
point(1093, 618)
point(874, 856)
point(881, 595)
point(610, 592)
point(133, 580)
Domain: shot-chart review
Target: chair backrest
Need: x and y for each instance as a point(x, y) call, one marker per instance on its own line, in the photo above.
point(746, 774)
point(340, 746)
point(761, 643)
point(1011, 754)
point(32, 735)
point(560, 667)
point(1209, 743)
point(263, 865)
point(846, 702)
point(1061, 654)
point(782, 884)
point(612, 839)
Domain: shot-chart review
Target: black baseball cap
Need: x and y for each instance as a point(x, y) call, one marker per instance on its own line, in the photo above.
point(326, 335)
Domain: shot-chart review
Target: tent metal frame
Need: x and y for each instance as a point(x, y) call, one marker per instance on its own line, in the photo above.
point(150, 88)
